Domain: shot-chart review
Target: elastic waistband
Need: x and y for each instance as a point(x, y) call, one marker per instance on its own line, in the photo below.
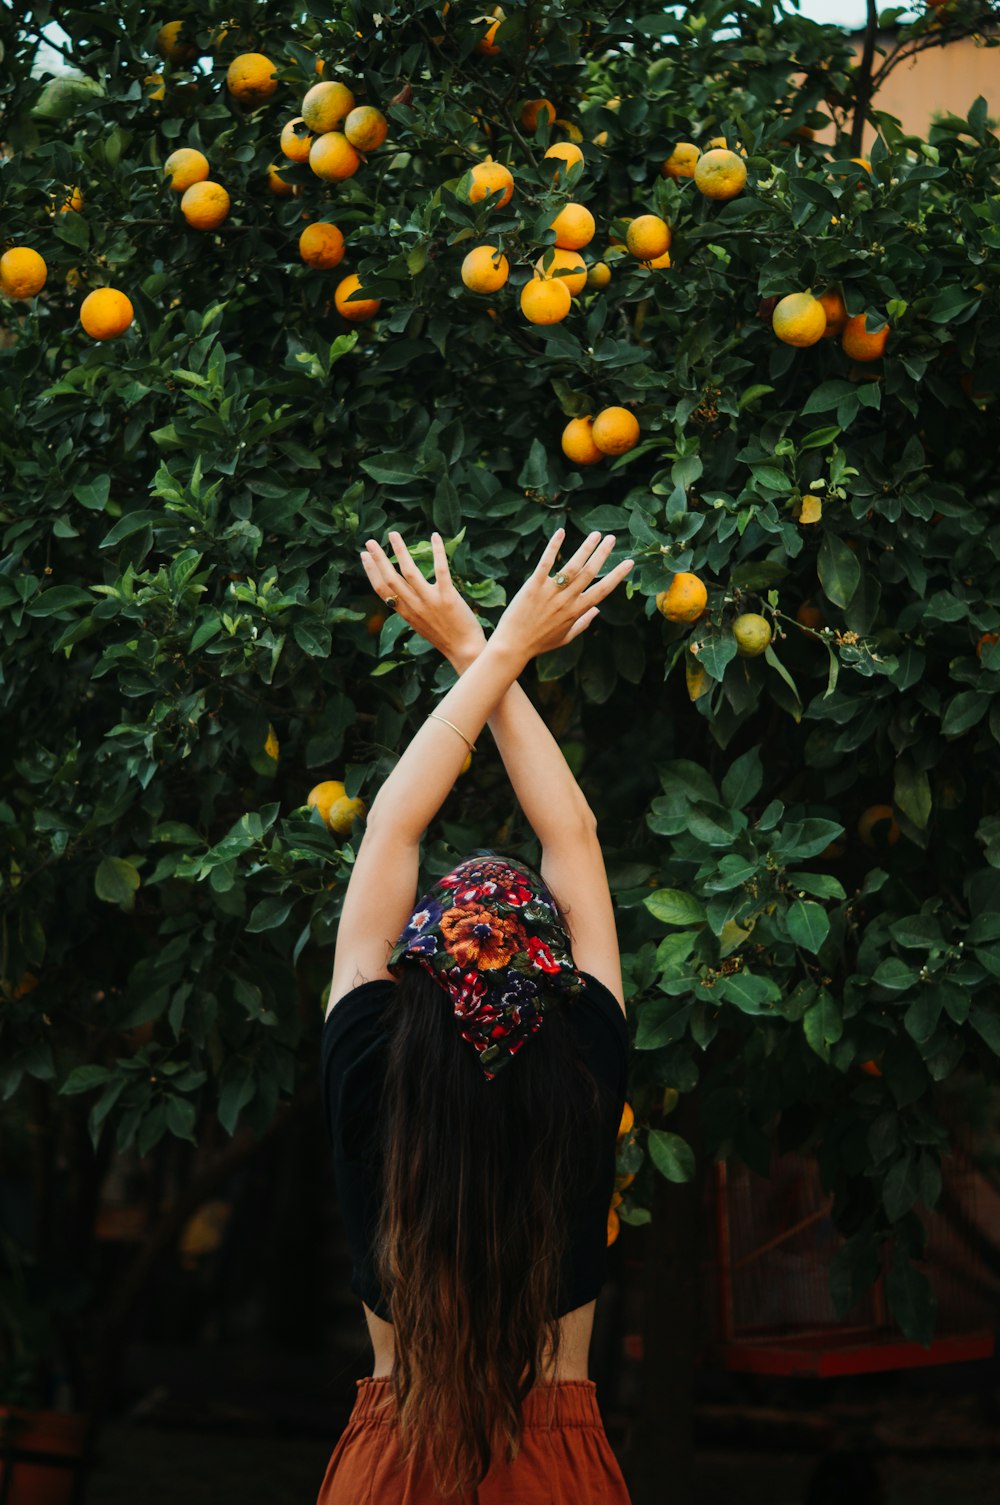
point(567, 1403)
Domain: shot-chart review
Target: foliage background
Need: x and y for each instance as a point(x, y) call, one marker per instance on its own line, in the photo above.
point(182, 509)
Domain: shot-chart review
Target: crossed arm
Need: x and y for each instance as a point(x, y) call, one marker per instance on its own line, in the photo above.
point(382, 889)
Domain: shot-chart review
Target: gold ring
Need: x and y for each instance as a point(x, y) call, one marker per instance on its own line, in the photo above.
point(560, 581)
point(390, 601)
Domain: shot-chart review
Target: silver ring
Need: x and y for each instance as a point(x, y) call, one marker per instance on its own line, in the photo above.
point(560, 581)
point(390, 601)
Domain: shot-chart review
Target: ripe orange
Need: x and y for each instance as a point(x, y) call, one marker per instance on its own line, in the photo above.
point(325, 105)
point(533, 108)
point(72, 201)
point(565, 154)
point(627, 1121)
point(578, 442)
point(682, 161)
point(205, 205)
point(186, 166)
point(487, 46)
point(321, 245)
point(173, 43)
point(105, 313)
point(752, 633)
point(338, 812)
point(877, 827)
point(658, 261)
point(295, 145)
point(276, 183)
point(361, 309)
point(599, 275)
point(333, 158)
point(861, 343)
point(22, 272)
point(545, 300)
point(568, 266)
point(985, 641)
point(485, 270)
point(799, 319)
point(720, 174)
point(685, 598)
point(366, 128)
point(271, 744)
point(568, 129)
point(574, 226)
point(375, 623)
point(250, 78)
point(489, 177)
point(836, 313)
point(647, 237)
point(616, 431)
point(154, 86)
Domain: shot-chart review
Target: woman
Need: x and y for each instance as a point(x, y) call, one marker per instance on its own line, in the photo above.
point(474, 1069)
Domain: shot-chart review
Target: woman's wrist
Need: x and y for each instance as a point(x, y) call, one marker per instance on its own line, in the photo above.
point(461, 655)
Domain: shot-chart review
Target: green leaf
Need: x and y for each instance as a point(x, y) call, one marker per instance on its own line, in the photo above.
point(672, 1155)
point(85, 1079)
point(912, 792)
point(808, 924)
point(662, 1021)
point(900, 1189)
point(822, 1024)
point(743, 781)
point(985, 1020)
point(269, 913)
point(116, 880)
point(674, 907)
point(750, 992)
point(964, 711)
point(838, 569)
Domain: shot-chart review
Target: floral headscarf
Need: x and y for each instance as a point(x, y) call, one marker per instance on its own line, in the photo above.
point(489, 933)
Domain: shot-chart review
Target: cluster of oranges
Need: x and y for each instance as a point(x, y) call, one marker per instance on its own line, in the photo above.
point(685, 601)
point(621, 1182)
point(330, 798)
point(801, 319)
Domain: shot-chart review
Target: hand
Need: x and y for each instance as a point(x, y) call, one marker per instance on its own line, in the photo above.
point(543, 616)
point(434, 609)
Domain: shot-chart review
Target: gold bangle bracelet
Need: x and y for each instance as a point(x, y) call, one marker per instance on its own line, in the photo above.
point(433, 716)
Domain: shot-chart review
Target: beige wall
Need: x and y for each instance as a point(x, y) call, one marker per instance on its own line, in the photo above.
point(943, 79)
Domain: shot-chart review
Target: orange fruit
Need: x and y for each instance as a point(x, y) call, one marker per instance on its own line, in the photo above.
point(625, 1181)
point(485, 270)
point(333, 158)
point(154, 86)
point(861, 343)
point(489, 177)
point(810, 615)
point(22, 272)
point(871, 1068)
point(877, 826)
point(568, 129)
point(616, 1199)
point(568, 266)
point(366, 128)
point(685, 598)
point(578, 442)
point(627, 1121)
point(321, 245)
point(186, 166)
point(647, 237)
point(799, 319)
point(361, 309)
point(375, 623)
point(599, 275)
point(616, 430)
point(105, 313)
point(545, 300)
point(752, 633)
point(173, 43)
point(614, 1226)
point(205, 205)
point(836, 313)
point(73, 200)
point(565, 155)
point(863, 162)
point(322, 796)
point(250, 78)
point(720, 174)
point(682, 161)
point(295, 145)
point(487, 46)
point(574, 226)
point(658, 261)
point(338, 812)
point(985, 641)
point(325, 105)
point(276, 183)
point(271, 744)
point(533, 108)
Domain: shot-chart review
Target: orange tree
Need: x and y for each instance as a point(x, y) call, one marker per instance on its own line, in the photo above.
point(769, 366)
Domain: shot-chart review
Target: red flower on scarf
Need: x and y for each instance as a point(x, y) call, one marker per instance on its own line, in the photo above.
point(542, 956)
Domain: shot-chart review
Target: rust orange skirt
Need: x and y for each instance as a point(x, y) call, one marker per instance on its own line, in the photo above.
point(565, 1457)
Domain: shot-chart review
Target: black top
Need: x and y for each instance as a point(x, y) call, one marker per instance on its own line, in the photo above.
point(352, 1064)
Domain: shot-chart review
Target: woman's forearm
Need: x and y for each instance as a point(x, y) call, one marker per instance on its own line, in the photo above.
point(546, 789)
point(426, 771)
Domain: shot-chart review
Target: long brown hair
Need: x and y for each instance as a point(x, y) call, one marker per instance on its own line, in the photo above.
point(473, 1228)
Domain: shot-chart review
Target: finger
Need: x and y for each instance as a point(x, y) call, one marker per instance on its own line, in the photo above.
point(380, 571)
point(596, 561)
point(603, 587)
point(580, 625)
point(442, 570)
point(548, 559)
point(407, 568)
point(579, 559)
